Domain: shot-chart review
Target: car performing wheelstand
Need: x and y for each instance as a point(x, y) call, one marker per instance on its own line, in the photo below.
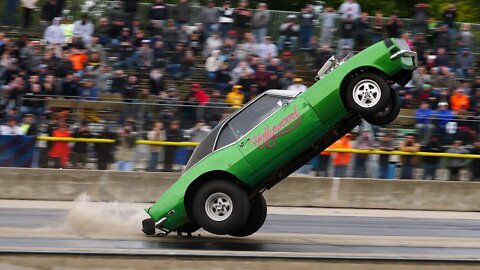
point(272, 136)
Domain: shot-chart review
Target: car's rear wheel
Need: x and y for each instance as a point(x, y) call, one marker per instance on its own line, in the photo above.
point(220, 207)
point(367, 94)
point(258, 214)
point(387, 115)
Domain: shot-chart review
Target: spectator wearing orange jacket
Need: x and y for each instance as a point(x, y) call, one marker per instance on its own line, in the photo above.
point(60, 151)
point(459, 100)
point(78, 59)
point(341, 160)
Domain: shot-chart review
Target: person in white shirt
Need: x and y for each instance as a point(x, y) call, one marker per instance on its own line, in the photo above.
point(297, 85)
point(247, 48)
point(83, 28)
point(350, 8)
point(212, 43)
point(241, 69)
point(267, 49)
point(226, 18)
point(213, 64)
point(54, 37)
point(11, 128)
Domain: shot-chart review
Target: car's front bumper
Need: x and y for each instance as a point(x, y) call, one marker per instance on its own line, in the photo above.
point(149, 227)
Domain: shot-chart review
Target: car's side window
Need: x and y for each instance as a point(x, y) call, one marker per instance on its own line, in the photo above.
point(258, 111)
point(225, 137)
point(249, 118)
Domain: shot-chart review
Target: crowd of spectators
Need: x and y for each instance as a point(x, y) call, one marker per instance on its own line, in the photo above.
point(79, 58)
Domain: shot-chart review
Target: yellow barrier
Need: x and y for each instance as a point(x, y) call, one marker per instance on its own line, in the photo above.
point(193, 144)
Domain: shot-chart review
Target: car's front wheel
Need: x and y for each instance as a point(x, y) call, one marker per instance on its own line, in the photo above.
point(220, 207)
point(387, 115)
point(367, 94)
point(258, 214)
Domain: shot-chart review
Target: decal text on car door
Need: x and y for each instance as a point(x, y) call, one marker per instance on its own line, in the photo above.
point(270, 134)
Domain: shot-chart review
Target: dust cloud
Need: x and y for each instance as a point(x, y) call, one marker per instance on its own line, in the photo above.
point(106, 218)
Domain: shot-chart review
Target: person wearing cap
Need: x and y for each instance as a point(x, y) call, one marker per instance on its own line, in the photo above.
point(464, 62)
point(145, 56)
point(297, 85)
point(288, 34)
point(236, 97)
point(260, 21)
point(444, 116)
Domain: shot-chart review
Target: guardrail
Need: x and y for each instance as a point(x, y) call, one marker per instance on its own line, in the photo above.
point(334, 150)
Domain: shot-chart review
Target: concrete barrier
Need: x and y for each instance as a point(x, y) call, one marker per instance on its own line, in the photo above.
point(52, 184)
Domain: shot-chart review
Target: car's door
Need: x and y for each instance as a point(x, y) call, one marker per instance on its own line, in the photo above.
point(269, 130)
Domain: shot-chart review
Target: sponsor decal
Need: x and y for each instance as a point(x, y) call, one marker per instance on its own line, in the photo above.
point(268, 138)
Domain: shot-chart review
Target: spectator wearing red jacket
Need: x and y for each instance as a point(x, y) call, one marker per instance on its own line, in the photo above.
point(201, 99)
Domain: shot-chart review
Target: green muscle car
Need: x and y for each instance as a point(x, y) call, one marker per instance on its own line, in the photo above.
point(272, 136)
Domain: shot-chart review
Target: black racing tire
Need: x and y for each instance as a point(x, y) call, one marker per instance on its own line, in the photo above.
point(387, 115)
point(367, 94)
point(258, 214)
point(220, 207)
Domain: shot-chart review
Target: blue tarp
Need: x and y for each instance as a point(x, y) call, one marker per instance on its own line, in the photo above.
point(16, 151)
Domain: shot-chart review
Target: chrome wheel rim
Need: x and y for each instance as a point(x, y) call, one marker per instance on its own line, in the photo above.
point(367, 93)
point(218, 206)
